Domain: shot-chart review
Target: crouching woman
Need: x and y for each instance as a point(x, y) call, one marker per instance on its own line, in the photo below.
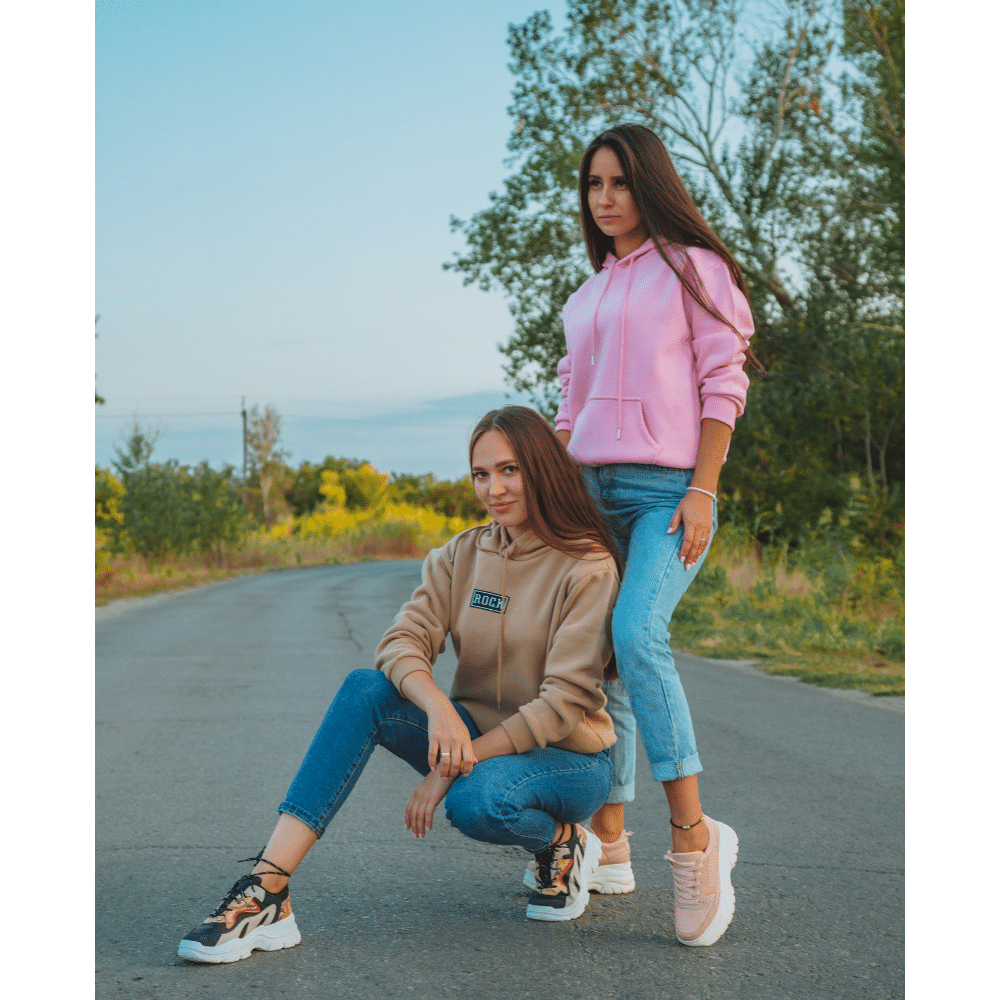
point(519, 751)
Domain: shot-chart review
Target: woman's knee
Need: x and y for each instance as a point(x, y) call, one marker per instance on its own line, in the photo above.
point(474, 811)
point(366, 687)
point(634, 635)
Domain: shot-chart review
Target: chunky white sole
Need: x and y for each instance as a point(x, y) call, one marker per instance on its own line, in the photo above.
point(729, 846)
point(607, 879)
point(273, 937)
point(591, 856)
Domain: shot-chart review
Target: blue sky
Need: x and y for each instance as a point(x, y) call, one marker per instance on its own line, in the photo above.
point(274, 184)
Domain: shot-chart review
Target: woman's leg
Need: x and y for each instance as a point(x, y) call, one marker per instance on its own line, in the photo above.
point(537, 800)
point(654, 583)
point(520, 799)
point(609, 821)
point(366, 712)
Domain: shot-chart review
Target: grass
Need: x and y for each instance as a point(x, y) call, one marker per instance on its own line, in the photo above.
point(135, 576)
point(824, 614)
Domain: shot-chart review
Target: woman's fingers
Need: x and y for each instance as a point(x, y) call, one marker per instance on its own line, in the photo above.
point(697, 519)
point(449, 748)
point(414, 818)
point(468, 759)
point(695, 546)
point(457, 760)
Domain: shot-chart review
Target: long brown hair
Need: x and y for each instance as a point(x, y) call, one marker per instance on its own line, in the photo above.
point(560, 510)
point(668, 213)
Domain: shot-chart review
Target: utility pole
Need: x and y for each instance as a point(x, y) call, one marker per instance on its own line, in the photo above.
point(243, 404)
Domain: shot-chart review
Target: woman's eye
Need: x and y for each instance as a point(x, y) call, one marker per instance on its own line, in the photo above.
point(510, 470)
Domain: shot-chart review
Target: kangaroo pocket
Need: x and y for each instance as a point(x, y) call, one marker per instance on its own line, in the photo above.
point(595, 432)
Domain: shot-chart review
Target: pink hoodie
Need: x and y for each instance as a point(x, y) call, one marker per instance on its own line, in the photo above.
point(646, 363)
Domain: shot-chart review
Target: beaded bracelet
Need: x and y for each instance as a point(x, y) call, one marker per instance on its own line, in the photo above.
point(700, 490)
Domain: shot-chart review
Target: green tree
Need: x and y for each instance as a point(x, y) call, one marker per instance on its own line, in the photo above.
point(303, 493)
point(216, 513)
point(164, 507)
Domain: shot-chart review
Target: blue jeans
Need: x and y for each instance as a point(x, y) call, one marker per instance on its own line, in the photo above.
point(517, 799)
point(638, 502)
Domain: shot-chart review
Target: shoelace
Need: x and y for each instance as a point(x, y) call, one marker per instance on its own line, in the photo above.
point(241, 885)
point(686, 881)
point(545, 861)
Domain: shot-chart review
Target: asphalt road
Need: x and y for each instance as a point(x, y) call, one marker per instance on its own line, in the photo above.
point(207, 699)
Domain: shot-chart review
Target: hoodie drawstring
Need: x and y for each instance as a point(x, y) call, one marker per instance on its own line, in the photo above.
point(593, 329)
point(621, 346)
point(503, 608)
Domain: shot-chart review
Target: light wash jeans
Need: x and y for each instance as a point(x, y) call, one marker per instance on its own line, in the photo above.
point(638, 502)
point(515, 799)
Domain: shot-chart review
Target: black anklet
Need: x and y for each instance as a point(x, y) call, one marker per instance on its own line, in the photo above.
point(260, 858)
point(688, 827)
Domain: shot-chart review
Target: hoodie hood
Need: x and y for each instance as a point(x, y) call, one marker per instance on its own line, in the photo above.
point(498, 539)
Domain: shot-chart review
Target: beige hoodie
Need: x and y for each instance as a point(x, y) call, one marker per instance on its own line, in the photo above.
point(531, 628)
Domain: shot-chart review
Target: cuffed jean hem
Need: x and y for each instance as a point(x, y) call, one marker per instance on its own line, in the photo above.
point(621, 794)
point(683, 769)
point(310, 821)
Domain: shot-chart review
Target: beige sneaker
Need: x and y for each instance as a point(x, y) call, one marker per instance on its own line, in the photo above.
point(613, 874)
point(704, 901)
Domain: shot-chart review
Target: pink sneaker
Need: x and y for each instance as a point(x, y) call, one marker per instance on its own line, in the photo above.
point(613, 874)
point(704, 901)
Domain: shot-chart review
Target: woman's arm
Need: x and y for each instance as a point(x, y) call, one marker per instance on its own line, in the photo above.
point(445, 729)
point(695, 510)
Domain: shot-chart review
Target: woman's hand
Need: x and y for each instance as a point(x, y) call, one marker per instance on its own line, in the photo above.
point(449, 745)
point(695, 511)
point(447, 735)
point(420, 809)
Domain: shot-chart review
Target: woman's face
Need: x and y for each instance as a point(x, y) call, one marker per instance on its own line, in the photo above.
point(611, 203)
point(497, 479)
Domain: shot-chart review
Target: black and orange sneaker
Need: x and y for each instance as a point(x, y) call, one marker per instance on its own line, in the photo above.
point(563, 873)
point(249, 917)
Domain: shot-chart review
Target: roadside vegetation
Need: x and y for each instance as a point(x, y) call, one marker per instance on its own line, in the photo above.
point(825, 605)
point(162, 525)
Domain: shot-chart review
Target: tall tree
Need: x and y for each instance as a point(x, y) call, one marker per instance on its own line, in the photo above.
point(263, 435)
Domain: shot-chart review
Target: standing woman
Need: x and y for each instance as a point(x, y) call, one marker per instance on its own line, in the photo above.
point(652, 384)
